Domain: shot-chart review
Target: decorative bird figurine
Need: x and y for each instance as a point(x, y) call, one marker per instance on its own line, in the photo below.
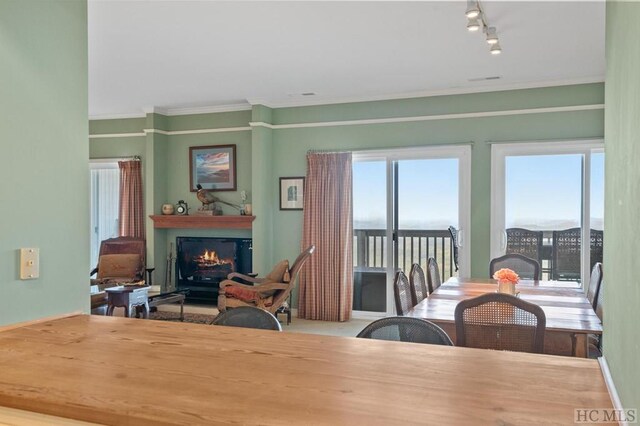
point(207, 198)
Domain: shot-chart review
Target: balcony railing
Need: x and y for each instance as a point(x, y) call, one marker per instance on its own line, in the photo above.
point(414, 246)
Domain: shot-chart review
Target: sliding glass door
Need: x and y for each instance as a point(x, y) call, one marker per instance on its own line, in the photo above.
point(546, 199)
point(404, 202)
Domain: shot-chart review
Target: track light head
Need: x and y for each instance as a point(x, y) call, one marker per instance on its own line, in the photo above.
point(473, 11)
point(473, 24)
point(492, 37)
point(495, 49)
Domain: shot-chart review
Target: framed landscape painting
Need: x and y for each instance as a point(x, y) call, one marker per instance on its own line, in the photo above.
point(213, 167)
point(291, 193)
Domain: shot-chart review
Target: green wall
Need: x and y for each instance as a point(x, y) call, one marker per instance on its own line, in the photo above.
point(267, 153)
point(622, 199)
point(165, 159)
point(43, 156)
point(291, 145)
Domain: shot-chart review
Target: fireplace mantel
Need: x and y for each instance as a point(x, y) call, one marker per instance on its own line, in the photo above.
point(183, 222)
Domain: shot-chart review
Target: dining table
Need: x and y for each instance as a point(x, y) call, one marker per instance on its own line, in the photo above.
point(570, 317)
point(83, 369)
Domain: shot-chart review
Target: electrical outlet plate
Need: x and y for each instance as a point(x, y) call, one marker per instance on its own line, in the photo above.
point(29, 263)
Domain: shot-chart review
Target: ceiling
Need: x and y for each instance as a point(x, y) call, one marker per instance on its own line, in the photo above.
point(172, 55)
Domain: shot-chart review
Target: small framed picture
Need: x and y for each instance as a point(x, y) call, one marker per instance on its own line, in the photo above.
point(291, 193)
point(213, 167)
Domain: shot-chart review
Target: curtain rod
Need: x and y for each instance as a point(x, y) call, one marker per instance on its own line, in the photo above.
point(328, 151)
point(132, 158)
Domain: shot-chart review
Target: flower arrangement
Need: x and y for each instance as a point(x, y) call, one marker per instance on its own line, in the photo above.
point(506, 276)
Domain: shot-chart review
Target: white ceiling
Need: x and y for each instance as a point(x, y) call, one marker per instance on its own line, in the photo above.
point(183, 54)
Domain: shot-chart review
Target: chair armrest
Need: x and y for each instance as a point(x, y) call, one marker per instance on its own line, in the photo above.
point(229, 283)
point(270, 287)
point(245, 277)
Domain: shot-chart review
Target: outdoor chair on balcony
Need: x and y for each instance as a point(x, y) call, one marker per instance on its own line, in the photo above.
point(402, 294)
point(418, 284)
point(406, 329)
point(597, 240)
point(434, 279)
point(248, 317)
point(525, 242)
point(500, 321)
point(566, 254)
point(269, 293)
point(526, 268)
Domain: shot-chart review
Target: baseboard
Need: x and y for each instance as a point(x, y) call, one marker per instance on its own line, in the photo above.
point(615, 398)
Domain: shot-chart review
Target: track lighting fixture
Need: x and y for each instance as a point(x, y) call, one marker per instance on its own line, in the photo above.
point(476, 20)
point(492, 37)
point(472, 9)
point(473, 24)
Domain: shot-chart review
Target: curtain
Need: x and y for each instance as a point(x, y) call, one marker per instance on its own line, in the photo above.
point(131, 211)
point(326, 283)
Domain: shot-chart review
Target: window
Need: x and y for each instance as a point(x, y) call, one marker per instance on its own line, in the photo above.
point(105, 194)
point(547, 198)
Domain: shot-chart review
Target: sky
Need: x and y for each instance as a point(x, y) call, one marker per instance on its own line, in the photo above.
point(428, 194)
point(542, 192)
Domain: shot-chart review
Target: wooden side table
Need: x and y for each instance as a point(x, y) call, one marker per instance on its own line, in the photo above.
point(128, 297)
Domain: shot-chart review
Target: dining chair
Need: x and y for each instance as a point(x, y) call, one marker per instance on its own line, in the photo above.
point(406, 329)
point(418, 284)
point(525, 267)
point(434, 280)
point(248, 317)
point(402, 293)
point(500, 321)
point(595, 340)
point(594, 284)
point(454, 244)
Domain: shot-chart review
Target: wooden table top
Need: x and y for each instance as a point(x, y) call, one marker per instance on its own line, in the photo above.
point(126, 371)
point(564, 302)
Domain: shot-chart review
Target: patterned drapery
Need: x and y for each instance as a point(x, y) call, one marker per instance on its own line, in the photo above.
point(131, 211)
point(326, 283)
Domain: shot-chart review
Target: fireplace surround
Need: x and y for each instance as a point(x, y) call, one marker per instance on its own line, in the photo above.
point(202, 262)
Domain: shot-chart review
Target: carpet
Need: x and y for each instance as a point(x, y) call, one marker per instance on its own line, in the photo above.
point(175, 317)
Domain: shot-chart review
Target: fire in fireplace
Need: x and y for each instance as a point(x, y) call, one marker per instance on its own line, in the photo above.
point(202, 262)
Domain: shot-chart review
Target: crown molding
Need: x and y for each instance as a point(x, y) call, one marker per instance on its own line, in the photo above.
point(453, 116)
point(343, 100)
point(209, 109)
point(425, 93)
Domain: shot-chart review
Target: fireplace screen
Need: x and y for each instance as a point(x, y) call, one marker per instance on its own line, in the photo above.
point(203, 262)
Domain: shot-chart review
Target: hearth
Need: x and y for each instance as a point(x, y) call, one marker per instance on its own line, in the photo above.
point(202, 262)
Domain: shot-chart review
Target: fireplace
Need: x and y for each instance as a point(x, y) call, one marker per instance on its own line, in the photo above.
point(202, 262)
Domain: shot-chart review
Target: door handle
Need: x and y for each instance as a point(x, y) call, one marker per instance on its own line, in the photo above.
point(460, 237)
point(503, 241)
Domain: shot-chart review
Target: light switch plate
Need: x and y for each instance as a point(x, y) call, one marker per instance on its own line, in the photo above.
point(29, 263)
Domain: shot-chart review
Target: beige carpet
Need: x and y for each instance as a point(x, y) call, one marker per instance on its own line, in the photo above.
point(349, 328)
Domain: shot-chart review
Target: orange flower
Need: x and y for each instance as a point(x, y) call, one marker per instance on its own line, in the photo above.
point(506, 275)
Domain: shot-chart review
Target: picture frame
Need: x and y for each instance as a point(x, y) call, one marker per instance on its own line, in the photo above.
point(213, 167)
point(292, 193)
